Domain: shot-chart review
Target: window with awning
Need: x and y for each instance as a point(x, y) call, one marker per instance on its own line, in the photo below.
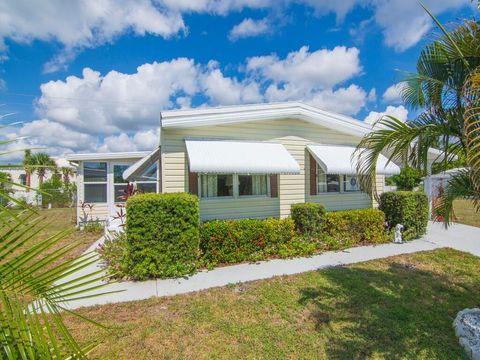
point(333, 169)
point(237, 169)
point(239, 157)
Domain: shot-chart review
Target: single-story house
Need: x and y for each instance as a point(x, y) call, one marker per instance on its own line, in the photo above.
point(243, 161)
point(19, 176)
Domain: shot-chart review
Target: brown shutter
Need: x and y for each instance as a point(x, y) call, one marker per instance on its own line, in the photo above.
point(313, 176)
point(193, 183)
point(274, 186)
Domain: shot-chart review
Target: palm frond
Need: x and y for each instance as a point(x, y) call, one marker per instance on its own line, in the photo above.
point(459, 186)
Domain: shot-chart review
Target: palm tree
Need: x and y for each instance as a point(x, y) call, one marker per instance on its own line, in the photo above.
point(445, 87)
point(66, 173)
point(27, 165)
point(42, 162)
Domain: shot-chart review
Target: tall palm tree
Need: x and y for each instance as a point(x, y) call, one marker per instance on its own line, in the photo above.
point(27, 165)
point(443, 87)
point(42, 162)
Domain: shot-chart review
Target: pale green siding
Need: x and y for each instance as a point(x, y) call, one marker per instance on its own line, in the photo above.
point(293, 134)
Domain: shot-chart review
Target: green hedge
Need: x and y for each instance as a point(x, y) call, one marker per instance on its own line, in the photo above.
point(355, 227)
point(309, 218)
point(162, 235)
point(409, 208)
point(231, 241)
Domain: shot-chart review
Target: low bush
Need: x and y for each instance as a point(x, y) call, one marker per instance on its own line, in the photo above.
point(114, 254)
point(162, 235)
point(309, 218)
point(231, 241)
point(409, 208)
point(354, 227)
point(95, 227)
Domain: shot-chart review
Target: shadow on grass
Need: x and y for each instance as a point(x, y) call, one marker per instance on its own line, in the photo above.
point(394, 312)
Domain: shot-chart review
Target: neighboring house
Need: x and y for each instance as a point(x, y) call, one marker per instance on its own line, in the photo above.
point(244, 161)
point(18, 176)
point(439, 182)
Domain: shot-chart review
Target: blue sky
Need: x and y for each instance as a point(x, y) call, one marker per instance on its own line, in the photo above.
point(93, 76)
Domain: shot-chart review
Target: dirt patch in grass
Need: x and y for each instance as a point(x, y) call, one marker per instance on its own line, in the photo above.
point(400, 307)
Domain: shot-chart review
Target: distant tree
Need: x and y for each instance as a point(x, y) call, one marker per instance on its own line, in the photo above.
point(5, 187)
point(66, 173)
point(27, 165)
point(41, 162)
point(408, 179)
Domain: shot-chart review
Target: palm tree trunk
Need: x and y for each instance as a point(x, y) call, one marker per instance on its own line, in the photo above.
point(28, 175)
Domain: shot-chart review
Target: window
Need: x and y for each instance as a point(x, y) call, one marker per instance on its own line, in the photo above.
point(147, 181)
point(226, 185)
point(119, 184)
point(327, 182)
point(249, 185)
point(216, 186)
point(95, 182)
point(350, 183)
point(22, 179)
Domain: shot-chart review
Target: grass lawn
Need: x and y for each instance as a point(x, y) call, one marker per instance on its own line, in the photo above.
point(59, 220)
point(401, 307)
point(465, 214)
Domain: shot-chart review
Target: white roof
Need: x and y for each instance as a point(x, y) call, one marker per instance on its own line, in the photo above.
point(448, 173)
point(239, 157)
point(61, 162)
point(142, 164)
point(106, 156)
point(340, 160)
point(261, 112)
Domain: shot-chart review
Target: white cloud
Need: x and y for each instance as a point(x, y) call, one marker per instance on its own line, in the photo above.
point(393, 94)
point(250, 28)
point(84, 24)
point(404, 23)
point(398, 112)
point(117, 101)
point(78, 24)
point(312, 77)
point(140, 141)
point(226, 90)
point(48, 133)
point(318, 69)
point(120, 112)
point(346, 101)
point(372, 95)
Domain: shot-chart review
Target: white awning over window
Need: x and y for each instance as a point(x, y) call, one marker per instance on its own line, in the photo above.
point(141, 165)
point(239, 157)
point(339, 160)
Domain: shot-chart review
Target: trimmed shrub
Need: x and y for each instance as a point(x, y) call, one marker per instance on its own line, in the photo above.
point(355, 227)
point(162, 235)
point(309, 218)
point(231, 241)
point(409, 208)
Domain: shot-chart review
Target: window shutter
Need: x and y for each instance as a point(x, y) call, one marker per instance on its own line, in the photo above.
point(313, 176)
point(193, 183)
point(274, 186)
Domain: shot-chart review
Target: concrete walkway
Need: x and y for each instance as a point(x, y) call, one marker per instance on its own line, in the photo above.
point(461, 237)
